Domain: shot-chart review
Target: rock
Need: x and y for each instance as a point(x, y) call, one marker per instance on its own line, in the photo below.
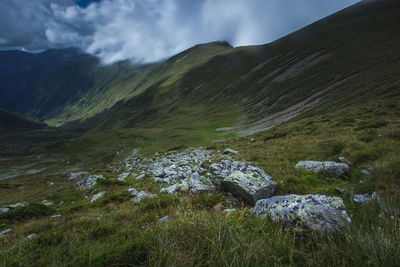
point(3, 233)
point(252, 140)
point(317, 212)
point(48, 203)
point(3, 210)
point(18, 205)
point(249, 186)
point(231, 151)
point(56, 216)
point(77, 175)
point(51, 183)
point(123, 176)
point(97, 197)
point(171, 189)
point(229, 210)
point(239, 178)
point(344, 160)
point(218, 208)
point(140, 177)
point(61, 202)
point(89, 182)
point(329, 167)
point(139, 195)
point(31, 236)
point(164, 219)
point(365, 174)
point(341, 190)
point(364, 199)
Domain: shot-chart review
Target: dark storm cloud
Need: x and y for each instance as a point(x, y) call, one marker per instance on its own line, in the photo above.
point(149, 30)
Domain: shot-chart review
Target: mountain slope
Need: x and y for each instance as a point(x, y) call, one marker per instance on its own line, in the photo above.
point(16, 121)
point(348, 59)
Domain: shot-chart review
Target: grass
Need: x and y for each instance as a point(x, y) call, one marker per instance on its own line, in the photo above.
point(359, 120)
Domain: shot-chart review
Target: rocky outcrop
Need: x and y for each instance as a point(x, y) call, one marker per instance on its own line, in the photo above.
point(249, 182)
point(89, 182)
point(123, 176)
point(330, 167)
point(317, 212)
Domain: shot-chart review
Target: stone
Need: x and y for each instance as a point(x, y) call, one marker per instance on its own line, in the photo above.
point(51, 183)
point(139, 195)
point(231, 151)
point(48, 203)
point(56, 216)
point(317, 212)
point(365, 174)
point(344, 160)
point(364, 199)
point(31, 236)
point(164, 219)
point(3, 233)
point(18, 205)
point(77, 175)
point(250, 186)
point(252, 140)
point(89, 182)
point(229, 210)
point(330, 167)
point(97, 197)
point(140, 177)
point(4, 210)
point(341, 190)
point(123, 176)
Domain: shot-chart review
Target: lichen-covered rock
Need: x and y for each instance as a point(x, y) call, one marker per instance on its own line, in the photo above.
point(89, 182)
point(195, 184)
point(318, 212)
point(329, 167)
point(97, 197)
point(363, 199)
point(17, 205)
point(250, 186)
point(48, 203)
point(365, 174)
point(239, 178)
point(139, 195)
point(77, 175)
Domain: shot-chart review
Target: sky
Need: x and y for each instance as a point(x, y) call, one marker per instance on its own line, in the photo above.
point(150, 30)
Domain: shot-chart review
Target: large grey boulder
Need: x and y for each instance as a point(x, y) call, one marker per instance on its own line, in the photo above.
point(249, 182)
point(89, 182)
point(250, 186)
point(317, 212)
point(329, 167)
point(4, 210)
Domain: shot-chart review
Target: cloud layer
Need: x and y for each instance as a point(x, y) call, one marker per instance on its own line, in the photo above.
point(150, 30)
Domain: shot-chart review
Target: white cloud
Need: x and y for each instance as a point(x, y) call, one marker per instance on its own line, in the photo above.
point(149, 30)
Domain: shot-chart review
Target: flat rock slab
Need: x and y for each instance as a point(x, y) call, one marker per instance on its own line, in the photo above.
point(241, 179)
point(97, 197)
point(330, 167)
point(250, 186)
point(318, 212)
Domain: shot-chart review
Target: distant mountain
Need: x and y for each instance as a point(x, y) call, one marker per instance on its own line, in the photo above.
point(11, 120)
point(348, 59)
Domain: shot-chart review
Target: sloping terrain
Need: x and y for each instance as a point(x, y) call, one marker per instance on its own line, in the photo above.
point(329, 92)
